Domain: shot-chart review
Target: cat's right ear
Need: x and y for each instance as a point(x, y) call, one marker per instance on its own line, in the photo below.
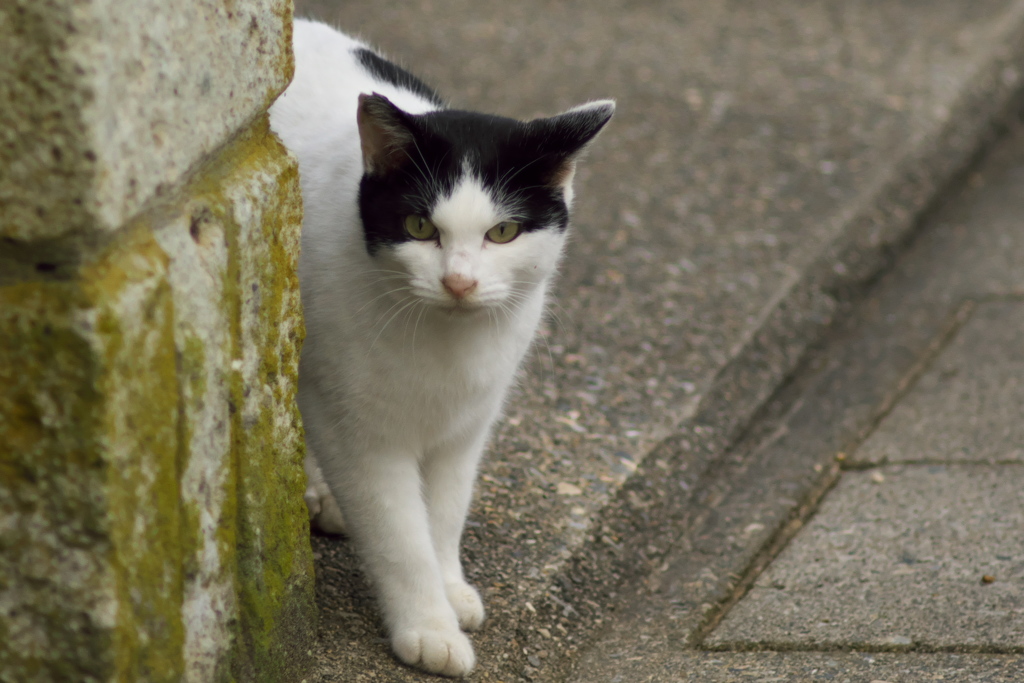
point(566, 135)
point(384, 134)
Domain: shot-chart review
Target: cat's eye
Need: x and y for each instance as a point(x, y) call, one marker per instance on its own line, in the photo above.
point(420, 228)
point(503, 232)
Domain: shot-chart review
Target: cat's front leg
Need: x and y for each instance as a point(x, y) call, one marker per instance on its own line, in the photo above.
point(324, 512)
point(448, 476)
point(380, 496)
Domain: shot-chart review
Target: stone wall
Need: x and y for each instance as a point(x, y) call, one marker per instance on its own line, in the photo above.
point(151, 518)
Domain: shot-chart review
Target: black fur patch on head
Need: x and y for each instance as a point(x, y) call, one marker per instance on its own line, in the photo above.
point(389, 72)
point(521, 164)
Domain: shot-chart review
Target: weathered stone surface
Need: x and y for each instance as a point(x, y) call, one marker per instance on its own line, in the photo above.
point(106, 103)
point(151, 451)
point(198, 250)
point(233, 244)
point(151, 517)
point(897, 561)
point(275, 561)
point(967, 406)
point(90, 534)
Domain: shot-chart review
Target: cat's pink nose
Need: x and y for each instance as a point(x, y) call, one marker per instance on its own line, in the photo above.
point(459, 286)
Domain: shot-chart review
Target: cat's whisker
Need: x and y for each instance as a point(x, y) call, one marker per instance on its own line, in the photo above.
point(386, 270)
point(423, 309)
point(434, 185)
point(507, 310)
point(408, 317)
point(368, 286)
point(504, 181)
point(424, 170)
point(491, 317)
point(566, 327)
point(391, 308)
point(548, 304)
point(551, 360)
point(380, 296)
point(412, 301)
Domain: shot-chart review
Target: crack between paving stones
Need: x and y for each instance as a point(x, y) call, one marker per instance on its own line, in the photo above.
point(830, 476)
point(954, 323)
point(866, 466)
point(773, 547)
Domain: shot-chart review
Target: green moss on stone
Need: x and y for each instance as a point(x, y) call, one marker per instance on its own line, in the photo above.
point(134, 319)
point(88, 437)
point(51, 474)
point(95, 436)
point(254, 177)
point(191, 371)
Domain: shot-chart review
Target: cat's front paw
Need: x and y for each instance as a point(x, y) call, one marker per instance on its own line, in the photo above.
point(445, 651)
point(466, 602)
point(324, 513)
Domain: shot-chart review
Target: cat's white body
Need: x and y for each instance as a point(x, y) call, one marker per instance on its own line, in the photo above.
point(399, 384)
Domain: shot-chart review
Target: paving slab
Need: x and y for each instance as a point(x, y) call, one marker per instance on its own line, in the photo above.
point(926, 556)
point(762, 159)
point(808, 667)
point(967, 406)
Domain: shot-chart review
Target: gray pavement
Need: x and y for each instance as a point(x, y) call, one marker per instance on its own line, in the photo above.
point(766, 160)
point(969, 405)
point(927, 555)
point(816, 667)
point(902, 564)
point(900, 557)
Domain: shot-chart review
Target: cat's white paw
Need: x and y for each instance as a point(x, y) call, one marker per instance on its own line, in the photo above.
point(312, 502)
point(445, 651)
point(324, 513)
point(466, 602)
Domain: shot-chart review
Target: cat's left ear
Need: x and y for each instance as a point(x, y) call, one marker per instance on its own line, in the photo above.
point(566, 136)
point(385, 134)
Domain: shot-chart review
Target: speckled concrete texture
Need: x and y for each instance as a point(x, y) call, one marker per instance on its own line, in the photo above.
point(762, 159)
point(815, 667)
point(108, 103)
point(968, 406)
point(895, 558)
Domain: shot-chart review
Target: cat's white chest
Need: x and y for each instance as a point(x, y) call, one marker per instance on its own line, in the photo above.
point(431, 385)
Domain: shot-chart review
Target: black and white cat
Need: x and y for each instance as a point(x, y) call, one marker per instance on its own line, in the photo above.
point(430, 239)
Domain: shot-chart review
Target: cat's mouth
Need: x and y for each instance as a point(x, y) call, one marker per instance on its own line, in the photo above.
point(462, 309)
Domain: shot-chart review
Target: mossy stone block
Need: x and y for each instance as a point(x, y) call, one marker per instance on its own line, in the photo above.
point(233, 243)
point(203, 291)
point(109, 104)
point(275, 560)
point(90, 552)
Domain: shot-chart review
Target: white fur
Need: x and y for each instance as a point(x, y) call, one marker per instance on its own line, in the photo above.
point(399, 383)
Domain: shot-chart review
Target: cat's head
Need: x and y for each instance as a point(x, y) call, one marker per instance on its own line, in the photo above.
point(470, 210)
